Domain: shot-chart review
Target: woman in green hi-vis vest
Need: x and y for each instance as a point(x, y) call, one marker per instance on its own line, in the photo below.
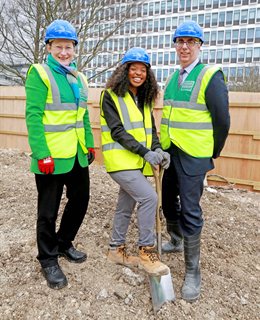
point(194, 127)
point(62, 146)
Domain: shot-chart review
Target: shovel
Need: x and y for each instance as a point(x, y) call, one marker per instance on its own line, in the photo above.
point(161, 287)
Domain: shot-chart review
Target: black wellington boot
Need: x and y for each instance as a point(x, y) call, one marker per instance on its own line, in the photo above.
point(192, 282)
point(176, 242)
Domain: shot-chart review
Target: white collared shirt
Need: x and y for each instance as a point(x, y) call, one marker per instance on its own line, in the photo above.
point(189, 69)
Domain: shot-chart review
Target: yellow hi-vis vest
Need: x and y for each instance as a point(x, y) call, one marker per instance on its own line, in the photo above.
point(186, 120)
point(116, 157)
point(63, 122)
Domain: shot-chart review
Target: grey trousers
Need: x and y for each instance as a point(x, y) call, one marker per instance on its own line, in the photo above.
point(134, 188)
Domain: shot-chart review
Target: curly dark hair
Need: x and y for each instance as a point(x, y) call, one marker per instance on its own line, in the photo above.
point(119, 83)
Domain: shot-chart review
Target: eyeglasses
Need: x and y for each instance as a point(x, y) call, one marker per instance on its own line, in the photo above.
point(60, 48)
point(189, 43)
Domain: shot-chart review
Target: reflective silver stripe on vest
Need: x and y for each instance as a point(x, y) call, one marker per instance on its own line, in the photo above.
point(56, 105)
point(63, 127)
point(128, 125)
point(116, 146)
point(191, 125)
point(196, 89)
point(165, 121)
point(185, 104)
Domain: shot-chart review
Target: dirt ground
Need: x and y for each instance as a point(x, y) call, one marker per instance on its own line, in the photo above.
point(99, 290)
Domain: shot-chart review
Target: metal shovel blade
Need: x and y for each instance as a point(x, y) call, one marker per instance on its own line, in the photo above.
point(161, 287)
point(161, 291)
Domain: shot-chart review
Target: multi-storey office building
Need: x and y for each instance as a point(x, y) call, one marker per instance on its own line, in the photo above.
point(231, 31)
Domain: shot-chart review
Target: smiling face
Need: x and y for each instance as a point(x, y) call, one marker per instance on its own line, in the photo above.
point(137, 75)
point(62, 50)
point(188, 50)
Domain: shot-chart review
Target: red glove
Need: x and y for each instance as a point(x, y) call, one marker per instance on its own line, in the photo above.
point(91, 155)
point(46, 165)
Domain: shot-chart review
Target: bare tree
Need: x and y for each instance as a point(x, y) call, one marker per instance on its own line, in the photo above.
point(23, 24)
point(250, 82)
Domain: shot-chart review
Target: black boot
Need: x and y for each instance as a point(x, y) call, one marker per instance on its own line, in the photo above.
point(73, 255)
point(192, 282)
point(56, 279)
point(176, 242)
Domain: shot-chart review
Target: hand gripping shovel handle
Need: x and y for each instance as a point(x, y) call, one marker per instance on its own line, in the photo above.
point(158, 175)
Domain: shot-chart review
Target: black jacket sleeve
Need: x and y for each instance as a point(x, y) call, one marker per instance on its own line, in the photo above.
point(218, 105)
point(118, 131)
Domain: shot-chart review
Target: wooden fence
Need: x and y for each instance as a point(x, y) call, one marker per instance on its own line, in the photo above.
point(239, 163)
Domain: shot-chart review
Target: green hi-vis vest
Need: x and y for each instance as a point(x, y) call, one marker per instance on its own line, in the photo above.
point(116, 157)
point(63, 122)
point(186, 120)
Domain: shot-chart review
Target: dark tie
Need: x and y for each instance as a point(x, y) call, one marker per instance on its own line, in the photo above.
point(180, 79)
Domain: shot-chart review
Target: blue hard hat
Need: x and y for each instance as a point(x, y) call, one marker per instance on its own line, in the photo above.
point(136, 55)
point(61, 29)
point(189, 29)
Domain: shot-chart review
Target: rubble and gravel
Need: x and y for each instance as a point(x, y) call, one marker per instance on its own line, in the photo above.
point(99, 290)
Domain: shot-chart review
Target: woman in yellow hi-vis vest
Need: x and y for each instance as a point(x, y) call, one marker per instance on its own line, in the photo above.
point(130, 146)
point(194, 127)
point(62, 144)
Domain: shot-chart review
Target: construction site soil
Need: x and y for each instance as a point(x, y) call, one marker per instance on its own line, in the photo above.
point(100, 290)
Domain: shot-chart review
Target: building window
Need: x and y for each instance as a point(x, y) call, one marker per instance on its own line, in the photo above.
point(167, 41)
point(162, 24)
point(235, 36)
point(166, 58)
point(208, 4)
point(159, 75)
point(222, 3)
point(256, 54)
point(175, 6)
point(150, 8)
point(169, 6)
point(154, 58)
point(240, 73)
point(242, 36)
point(195, 4)
point(155, 42)
point(205, 56)
point(251, 16)
point(215, 4)
point(156, 25)
point(161, 41)
point(157, 8)
point(174, 23)
point(150, 25)
point(219, 56)
point(165, 74)
point(213, 38)
point(244, 16)
point(149, 42)
point(188, 5)
point(206, 38)
point(258, 15)
point(237, 2)
point(168, 24)
point(241, 55)
point(220, 37)
point(163, 7)
point(201, 20)
point(221, 19)
point(257, 35)
point(226, 55)
point(230, 3)
point(249, 53)
point(172, 58)
point(182, 5)
point(250, 35)
point(145, 9)
point(212, 56)
point(232, 75)
point(229, 16)
point(214, 19)
point(236, 17)
point(207, 20)
point(227, 36)
point(233, 55)
point(201, 4)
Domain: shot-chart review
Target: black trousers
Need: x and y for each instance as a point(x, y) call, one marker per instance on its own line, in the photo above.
point(50, 189)
point(181, 195)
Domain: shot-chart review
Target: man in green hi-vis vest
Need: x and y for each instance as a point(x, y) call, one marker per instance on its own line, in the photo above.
point(194, 127)
point(62, 146)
